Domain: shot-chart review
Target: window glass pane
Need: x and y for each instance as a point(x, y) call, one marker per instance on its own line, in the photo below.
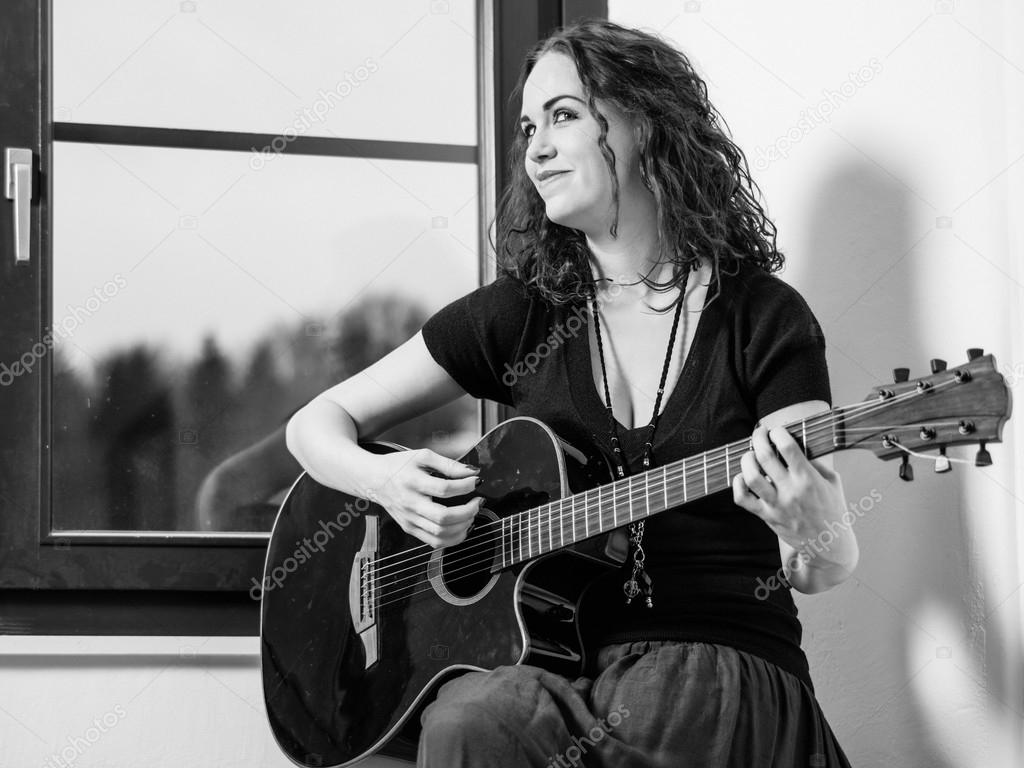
point(404, 70)
point(197, 302)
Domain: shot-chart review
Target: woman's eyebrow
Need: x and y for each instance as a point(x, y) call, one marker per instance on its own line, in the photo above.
point(549, 102)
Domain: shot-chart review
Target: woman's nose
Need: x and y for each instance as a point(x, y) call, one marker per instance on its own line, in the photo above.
point(540, 147)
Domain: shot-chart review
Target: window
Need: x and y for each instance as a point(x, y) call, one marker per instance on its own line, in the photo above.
point(215, 237)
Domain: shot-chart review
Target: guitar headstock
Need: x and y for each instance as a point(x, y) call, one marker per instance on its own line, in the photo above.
point(965, 404)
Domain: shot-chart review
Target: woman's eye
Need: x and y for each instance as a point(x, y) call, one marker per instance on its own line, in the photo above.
point(568, 112)
point(572, 116)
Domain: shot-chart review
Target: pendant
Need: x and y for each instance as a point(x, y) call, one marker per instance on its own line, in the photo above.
point(632, 589)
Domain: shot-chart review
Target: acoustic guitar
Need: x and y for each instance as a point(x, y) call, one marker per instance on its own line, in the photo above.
point(361, 622)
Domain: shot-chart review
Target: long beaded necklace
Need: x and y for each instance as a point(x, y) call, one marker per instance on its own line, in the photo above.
point(639, 580)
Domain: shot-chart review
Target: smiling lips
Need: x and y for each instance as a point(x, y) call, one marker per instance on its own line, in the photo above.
point(545, 179)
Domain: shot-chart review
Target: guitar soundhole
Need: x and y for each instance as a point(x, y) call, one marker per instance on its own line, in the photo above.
point(466, 567)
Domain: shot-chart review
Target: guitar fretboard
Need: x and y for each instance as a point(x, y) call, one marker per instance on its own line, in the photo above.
point(566, 521)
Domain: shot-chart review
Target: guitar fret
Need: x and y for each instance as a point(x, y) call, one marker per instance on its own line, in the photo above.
point(615, 510)
point(572, 519)
point(538, 516)
point(664, 484)
point(551, 543)
point(524, 535)
point(586, 515)
point(631, 499)
point(686, 480)
point(615, 490)
point(504, 561)
point(705, 474)
point(647, 496)
point(561, 523)
point(600, 512)
point(804, 429)
point(540, 530)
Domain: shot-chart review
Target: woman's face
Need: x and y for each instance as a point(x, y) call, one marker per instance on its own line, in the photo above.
point(562, 136)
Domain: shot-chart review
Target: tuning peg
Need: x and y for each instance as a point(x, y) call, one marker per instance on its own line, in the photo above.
point(974, 352)
point(900, 374)
point(941, 462)
point(938, 365)
point(982, 457)
point(906, 471)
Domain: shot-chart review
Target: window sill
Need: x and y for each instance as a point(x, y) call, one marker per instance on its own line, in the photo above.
point(181, 646)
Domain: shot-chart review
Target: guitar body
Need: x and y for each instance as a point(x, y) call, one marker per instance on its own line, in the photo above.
point(349, 660)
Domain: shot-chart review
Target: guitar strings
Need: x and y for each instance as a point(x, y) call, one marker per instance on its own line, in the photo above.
point(630, 494)
point(470, 558)
point(475, 561)
point(616, 496)
point(815, 428)
point(486, 544)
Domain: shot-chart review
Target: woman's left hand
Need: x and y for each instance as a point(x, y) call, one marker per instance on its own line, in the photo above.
point(797, 499)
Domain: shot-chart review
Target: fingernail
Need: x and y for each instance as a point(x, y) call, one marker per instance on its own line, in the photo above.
point(471, 468)
point(479, 480)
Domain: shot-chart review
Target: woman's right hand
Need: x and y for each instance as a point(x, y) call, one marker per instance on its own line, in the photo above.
point(402, 482)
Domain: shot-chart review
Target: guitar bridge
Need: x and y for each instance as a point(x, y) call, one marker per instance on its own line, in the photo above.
point(362, 593)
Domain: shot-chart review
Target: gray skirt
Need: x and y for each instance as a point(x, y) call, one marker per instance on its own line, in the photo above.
point(652, 703)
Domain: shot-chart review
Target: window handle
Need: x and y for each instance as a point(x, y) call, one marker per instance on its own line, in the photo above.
point(18, 187)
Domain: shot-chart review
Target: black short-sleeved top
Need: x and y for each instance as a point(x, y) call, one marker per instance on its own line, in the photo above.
point(757, 348)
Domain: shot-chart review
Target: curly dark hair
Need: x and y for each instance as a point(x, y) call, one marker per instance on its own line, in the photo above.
point(699, 177)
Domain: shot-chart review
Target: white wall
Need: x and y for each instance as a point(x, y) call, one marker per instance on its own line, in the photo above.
point(162, 702)
point(917, 659)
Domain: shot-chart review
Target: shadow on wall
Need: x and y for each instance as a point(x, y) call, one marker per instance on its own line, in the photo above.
point(913, 542)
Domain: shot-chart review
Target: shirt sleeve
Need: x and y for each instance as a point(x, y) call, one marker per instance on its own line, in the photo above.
point(783, 348)
point(477, 337)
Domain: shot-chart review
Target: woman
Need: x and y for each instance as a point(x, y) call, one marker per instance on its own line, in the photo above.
point(628, 205)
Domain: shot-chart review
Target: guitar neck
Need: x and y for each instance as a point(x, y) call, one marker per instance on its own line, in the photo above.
point(566, 521)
